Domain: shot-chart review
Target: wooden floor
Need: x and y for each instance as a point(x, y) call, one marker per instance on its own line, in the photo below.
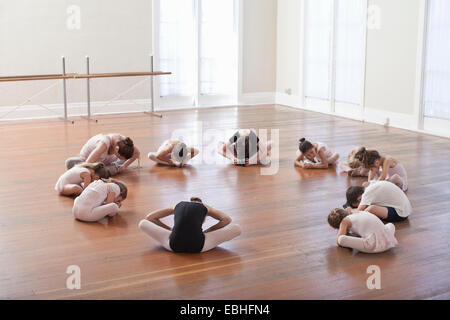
point(286, 251)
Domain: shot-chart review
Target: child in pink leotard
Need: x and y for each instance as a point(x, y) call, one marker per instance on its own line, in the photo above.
point(116, 151)
point(383, 168)
point(372, 236)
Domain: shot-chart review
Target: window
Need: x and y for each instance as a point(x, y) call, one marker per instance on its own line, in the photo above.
point(197, 42)
point(334, 50)
point(437, 64)
point(318, 14)
point(176, 47)
point(349, 57)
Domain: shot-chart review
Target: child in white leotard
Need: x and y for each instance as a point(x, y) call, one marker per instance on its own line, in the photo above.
point(383, 168)
point(173, 153)
point(315, 155)
point(73, 181)
point(100, 199)
point(374, 236)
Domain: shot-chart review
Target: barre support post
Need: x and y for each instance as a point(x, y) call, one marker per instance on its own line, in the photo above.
point(88, 91)
point(65, 89)
point(152, 92)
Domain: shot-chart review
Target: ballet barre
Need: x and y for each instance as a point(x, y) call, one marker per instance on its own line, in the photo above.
point(81, 76)
point(69, 76)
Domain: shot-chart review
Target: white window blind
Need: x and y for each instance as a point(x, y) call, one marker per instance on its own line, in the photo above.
point(334, 41)
point(218, 48)
point(176, 47)
point(198, 44)
point(437, 61)
point(349, 58)
point(318, 32)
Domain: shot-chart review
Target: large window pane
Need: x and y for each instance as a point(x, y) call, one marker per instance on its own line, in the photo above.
point(349, 57)
point(437, 66)
point(318, 32)
point(218, 48)
point(176, 47)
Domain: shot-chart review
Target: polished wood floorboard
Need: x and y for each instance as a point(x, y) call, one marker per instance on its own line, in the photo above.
point(286, 251)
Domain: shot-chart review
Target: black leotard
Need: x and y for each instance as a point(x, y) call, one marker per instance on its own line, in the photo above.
point(253, 143)
point(187, 234)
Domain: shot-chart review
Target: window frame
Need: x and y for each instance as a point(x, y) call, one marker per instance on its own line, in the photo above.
point(197, 100)
point(331, 106)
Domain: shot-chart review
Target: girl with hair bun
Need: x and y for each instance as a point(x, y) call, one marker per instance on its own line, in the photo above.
point(315, 155)
point(116, 151)
point(382, 168)
point(73, 181)
point(173, 153)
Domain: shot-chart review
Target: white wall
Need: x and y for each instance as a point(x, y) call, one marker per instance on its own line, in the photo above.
point(393, 62)
point(33, 36)
point(117, 35)
point(288, 48)
point(392, 57)
point(259, 46)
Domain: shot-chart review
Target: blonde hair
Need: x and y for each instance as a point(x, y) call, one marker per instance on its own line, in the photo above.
point(98, 167)
point(122, 186)
point(336, 216)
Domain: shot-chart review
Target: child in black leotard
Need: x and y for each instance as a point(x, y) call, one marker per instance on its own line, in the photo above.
point(245, 148)
point(187, 234)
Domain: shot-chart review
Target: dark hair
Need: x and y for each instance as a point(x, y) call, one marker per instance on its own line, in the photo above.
point(195, 199)
point(304, 145)
point(367, 157)
point(353, 194)
point(335, 217)
point(242, 143)
point(126, 148)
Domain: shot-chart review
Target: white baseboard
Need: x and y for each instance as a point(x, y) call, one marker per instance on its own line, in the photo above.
point(391, 119)
point(257, 98)
point(371, 115)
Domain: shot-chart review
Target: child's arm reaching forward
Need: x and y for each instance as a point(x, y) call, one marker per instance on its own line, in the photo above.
point(323, 161)
point(136, 155)
point(299, 160)
point(388, 162)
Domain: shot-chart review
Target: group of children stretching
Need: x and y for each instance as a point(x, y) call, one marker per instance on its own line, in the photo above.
point(381, 198)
